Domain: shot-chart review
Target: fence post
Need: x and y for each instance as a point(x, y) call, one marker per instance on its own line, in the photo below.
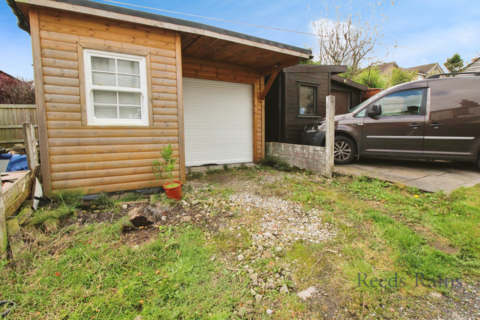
point(330, 136)
point(3, 224)
point(30, 145)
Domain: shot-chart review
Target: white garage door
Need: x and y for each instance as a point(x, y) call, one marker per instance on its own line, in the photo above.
point(218, 122)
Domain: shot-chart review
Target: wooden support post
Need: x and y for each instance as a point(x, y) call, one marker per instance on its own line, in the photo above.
point(40, 101)
point(330, 136)
point(3, 224)
point(181, 130)
point(268, 85)
point(30, 145)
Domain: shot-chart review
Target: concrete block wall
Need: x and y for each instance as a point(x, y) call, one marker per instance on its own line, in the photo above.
point(310, 158)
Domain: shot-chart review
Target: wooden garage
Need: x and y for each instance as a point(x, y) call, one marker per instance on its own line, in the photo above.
point(111, 84)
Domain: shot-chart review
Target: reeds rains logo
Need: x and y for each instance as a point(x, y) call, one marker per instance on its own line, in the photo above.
point(413, 259)
point(420, 280)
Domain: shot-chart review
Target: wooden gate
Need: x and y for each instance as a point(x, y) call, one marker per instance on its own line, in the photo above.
point(12, 116)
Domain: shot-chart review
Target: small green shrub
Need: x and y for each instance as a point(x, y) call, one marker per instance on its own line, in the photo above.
point(165, 168)
point(372, 78)
point(401, 76)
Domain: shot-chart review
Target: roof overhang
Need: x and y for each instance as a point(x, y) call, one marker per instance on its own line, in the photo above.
point(262, 54)
point(473, 61)
point(22, 21)
point(308, 68)
point(349, 82)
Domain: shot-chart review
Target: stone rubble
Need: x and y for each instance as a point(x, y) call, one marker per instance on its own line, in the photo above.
point(308, 293)
point(278, 224)
point(284, 221)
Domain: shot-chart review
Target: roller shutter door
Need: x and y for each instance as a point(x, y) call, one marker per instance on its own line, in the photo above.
point(218, 122)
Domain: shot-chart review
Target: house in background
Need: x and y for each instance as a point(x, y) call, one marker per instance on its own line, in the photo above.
point(298, 96)
point(474, 66)
point(422, 71)
point(6, 75)
point(387, 68)
point(114, 86)
point(426, 70)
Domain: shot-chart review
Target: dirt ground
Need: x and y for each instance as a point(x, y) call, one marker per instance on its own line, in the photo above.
point(283, 246)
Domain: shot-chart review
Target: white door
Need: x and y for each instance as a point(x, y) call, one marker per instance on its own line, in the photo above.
point(218, 122)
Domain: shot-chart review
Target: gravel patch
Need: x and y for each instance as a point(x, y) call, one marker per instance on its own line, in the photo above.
point(284, 221)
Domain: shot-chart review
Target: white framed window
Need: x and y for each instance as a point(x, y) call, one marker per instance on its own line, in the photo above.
point(116, 88)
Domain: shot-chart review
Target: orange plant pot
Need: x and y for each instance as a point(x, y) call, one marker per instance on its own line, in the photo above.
point(175, 192)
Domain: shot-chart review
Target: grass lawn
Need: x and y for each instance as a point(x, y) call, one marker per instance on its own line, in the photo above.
point(409, 241)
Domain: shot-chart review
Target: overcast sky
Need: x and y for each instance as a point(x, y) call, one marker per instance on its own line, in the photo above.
point(443, 26)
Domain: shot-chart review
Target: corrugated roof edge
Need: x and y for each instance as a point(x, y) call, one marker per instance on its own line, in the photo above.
point(187, 23)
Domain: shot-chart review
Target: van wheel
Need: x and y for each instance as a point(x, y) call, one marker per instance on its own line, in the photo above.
point(344, 150)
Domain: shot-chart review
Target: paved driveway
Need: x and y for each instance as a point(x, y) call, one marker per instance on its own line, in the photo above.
point(425, 175)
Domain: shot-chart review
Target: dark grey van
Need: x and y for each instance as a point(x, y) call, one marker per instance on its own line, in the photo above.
point(434, 118)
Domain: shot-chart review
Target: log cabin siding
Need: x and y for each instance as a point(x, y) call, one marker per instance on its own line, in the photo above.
point(104, 159)
point(118, 158)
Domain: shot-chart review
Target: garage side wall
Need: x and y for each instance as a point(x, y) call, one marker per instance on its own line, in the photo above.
point(294, 123)
point(210, 70)
point(101, 158)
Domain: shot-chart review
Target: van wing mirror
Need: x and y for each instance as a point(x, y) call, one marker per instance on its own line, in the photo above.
point(374, 110)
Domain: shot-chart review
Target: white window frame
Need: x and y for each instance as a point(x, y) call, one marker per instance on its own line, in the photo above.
point(89, 87)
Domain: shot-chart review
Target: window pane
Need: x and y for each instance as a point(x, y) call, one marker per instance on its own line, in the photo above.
point(130, 113)
point(103, 64)
point(129, 98)
point(103, 79)
point(128, 81)
point(307, 99)
point(402, 103)
point(132, 67)
point(107, 97)
point(361, 114)
point(105, 112)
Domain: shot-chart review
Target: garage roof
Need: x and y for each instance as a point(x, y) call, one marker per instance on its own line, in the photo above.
point(247, 50)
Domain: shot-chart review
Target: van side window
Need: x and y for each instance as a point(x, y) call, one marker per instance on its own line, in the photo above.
point(361, 114)
point(402, 103)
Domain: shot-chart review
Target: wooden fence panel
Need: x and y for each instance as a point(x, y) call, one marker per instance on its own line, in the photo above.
point(12, 116)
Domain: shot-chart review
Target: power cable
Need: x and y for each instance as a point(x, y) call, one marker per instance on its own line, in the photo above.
point(259, 26)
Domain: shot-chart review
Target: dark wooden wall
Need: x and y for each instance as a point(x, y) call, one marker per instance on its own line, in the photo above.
point(274, 106)
point(282, 122)
point(294, 123)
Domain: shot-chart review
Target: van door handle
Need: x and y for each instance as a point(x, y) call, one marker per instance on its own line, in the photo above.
point(415, 125)
point(436, 125)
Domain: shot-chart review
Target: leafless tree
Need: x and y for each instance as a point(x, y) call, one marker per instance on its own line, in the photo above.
point(352, 36)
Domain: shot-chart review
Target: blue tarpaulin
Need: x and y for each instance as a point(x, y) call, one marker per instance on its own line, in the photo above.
point(17, 162)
